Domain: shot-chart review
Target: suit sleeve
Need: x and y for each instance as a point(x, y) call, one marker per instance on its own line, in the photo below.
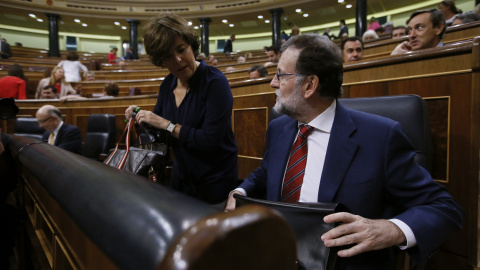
point(425, 206)
point(71, 140)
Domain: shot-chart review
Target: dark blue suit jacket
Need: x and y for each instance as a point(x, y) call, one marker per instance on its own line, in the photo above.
point(68, 138)
point(369, 167)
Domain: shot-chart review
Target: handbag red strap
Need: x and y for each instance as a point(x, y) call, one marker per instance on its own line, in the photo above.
point(126, 135)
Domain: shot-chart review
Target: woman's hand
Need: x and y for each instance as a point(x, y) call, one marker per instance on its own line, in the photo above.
point(148, 117)
point(129, 111)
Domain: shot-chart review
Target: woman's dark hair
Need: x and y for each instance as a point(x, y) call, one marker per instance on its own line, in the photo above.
point(16, 70)
point(112, 89)
point(320, 57)
point(72, 56)
point(162, 31)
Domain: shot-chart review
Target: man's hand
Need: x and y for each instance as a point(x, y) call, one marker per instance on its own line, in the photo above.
point(230, 205)
point(403, 47)
point(366, 234)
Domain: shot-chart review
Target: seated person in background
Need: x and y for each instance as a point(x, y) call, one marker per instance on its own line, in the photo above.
point(388, 26)
point(241, 60)
point(476, 10)
point(380, 31)
point(57, 132)
point(352, 48)
point(215, 62)
point(49, 92)
point(211, 57)
point(257, 71)
point(129, 54)
point(89, 76)
point(394, 202)
point(230, 69)
point(466, 17)
point(399, 31)
point(273, 53)
point(449, 11)
point(425, 29)
point(369, 35)
point(72, 67)
point(13, 85)
point(111, 90)
point(56, 79)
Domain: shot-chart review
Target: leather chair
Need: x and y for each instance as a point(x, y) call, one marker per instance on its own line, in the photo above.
point(28, 127)
point(100, 136)
point(412, 114)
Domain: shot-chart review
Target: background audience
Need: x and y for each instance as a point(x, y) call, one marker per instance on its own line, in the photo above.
point(369, 35)
point(112, 56)
point(5, 50)
point(89, 76)
point(449, 11)
point(352, 49)
point(56, 79)
point(72, 67)
point(14, 85)
point(426, 29)
point(399, 31)
point(466, 17)
point(257, 71)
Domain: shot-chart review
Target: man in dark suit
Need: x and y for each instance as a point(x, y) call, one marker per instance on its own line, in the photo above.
point(228, 48)
point(361, 160)
point(5, 51)
point(59, 133)
point(343, 29)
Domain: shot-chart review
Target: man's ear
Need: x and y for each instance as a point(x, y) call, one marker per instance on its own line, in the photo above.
point(440, 28)
point(311, 84)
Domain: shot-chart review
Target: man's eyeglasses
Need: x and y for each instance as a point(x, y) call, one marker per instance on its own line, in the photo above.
point(279, 75)
point(43, 121)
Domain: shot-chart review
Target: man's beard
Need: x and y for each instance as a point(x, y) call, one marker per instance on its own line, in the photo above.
point(290, 106)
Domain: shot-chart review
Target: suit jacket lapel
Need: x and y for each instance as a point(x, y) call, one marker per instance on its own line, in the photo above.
point(279, 150)
point(59, 135)
point(340, 152)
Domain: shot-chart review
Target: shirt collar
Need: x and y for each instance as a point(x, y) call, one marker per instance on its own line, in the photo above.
point(324, 121)
point(55, 132)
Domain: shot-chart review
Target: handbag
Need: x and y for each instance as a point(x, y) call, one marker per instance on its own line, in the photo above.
point(307, 222)
point(145, 159)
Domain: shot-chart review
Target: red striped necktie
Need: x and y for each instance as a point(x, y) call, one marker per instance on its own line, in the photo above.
point(295, 171)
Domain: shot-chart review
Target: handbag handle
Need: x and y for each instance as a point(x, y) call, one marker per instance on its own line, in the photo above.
point(126, 135)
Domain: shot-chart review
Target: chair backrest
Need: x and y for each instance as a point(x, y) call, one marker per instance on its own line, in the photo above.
point(100, 136)
point(409, 110)
point(28, 127)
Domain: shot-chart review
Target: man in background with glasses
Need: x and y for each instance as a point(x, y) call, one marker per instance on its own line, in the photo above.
point(57, 132)
point(320, 151)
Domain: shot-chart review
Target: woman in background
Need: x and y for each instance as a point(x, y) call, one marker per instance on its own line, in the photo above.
point(57, 79)
point(195, 106)
point(112, 56)
point(14, 85)
point(72, 67)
